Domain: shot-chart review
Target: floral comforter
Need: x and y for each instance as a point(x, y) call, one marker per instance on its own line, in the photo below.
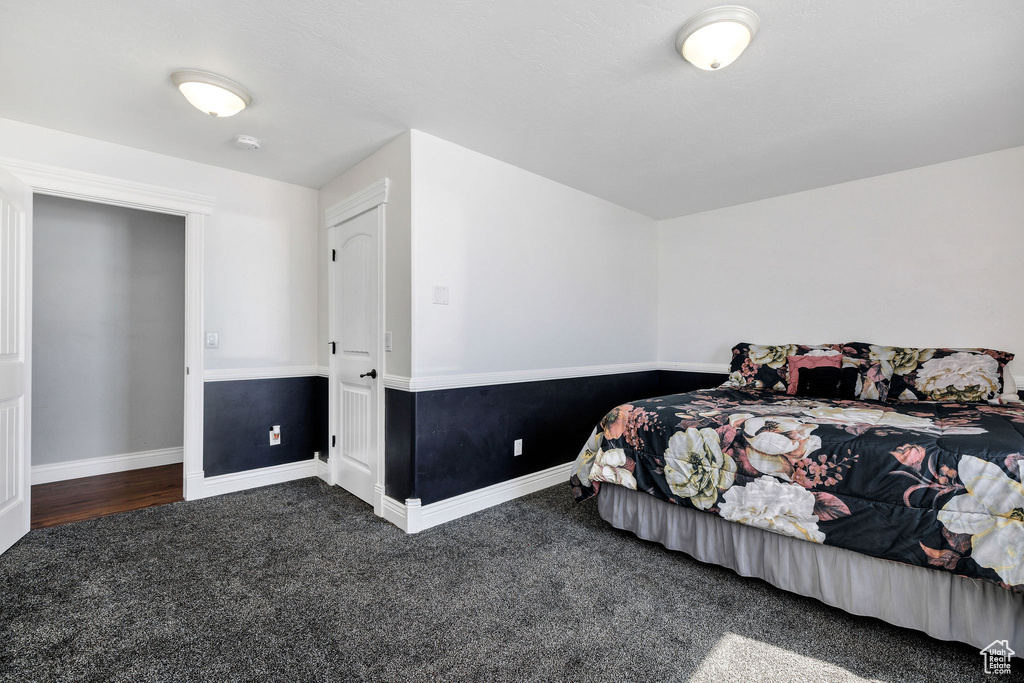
point(929, 484)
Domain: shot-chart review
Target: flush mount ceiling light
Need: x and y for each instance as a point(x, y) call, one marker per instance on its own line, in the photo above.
point(714, 38)
point(210, 93)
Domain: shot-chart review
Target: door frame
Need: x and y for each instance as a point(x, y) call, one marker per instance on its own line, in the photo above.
point(194, 207)
point(371, 198)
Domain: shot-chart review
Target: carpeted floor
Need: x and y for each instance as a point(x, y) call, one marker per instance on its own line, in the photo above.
point(300, 582)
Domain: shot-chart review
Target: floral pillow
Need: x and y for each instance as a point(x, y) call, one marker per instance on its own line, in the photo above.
point(767, 367)
point(862, 379)
point(947, 375)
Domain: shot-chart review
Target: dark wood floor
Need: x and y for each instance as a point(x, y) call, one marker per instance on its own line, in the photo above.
point(90, 497)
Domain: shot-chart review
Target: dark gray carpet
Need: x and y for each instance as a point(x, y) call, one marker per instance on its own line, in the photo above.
point(300, 582)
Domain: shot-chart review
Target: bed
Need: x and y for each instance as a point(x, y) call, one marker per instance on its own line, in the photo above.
point(910, 510)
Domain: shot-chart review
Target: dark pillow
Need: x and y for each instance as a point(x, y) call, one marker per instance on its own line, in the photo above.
point(821, 382)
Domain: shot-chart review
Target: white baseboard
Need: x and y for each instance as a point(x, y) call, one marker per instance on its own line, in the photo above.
point(322, 470)
point(90, 467)
point(394, 512)
point(250, 479)
point(412, 517)
point(194, 486)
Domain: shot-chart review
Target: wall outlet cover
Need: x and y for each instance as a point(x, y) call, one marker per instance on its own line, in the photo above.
point(517, 447)
point(275, 435)
point(440, 295)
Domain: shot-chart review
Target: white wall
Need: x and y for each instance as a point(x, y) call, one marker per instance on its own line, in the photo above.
point(391, 161)
point(540, 275)
point(108, 340)
point(261, 243)
point(925, 257)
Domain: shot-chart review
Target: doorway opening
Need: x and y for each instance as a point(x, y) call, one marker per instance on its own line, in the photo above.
point(108, 348)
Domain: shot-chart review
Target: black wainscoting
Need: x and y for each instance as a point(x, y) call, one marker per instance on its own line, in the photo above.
point(449, 442)
point(445, 443)
point(320, 423)
point(675, 382)
point(399, 439)
point(464, 436)
point(238, 416)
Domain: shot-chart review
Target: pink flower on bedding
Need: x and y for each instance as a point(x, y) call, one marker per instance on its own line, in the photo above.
point(614, 423)
point(911, 455)
point(627, 420)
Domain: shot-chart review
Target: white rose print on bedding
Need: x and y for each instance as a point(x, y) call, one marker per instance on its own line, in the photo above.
point(992, 513)
point(774, 443)
point(696, 468)
point(961, 377)
point(611, 466)
point(767, 503)
point(899, 360)
point(873, 418)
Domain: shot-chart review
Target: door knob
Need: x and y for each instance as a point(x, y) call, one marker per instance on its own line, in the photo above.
point(372, 374)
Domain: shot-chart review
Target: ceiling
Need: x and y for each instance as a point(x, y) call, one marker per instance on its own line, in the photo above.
point(590, 94)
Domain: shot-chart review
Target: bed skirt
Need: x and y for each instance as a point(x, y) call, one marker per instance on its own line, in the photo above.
point(943, 605)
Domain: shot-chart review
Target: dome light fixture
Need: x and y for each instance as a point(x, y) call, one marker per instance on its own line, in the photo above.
point(210, 93)
point(713, 39)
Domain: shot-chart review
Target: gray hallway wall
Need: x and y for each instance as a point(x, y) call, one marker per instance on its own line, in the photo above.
point(108, 331)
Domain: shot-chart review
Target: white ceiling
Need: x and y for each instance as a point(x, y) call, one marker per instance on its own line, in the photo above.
point(590, 94)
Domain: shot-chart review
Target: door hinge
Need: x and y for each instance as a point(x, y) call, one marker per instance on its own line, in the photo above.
point(186, 370)
point(333, 440)
point(334, 255)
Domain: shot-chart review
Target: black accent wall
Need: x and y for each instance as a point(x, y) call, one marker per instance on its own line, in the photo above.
point(438, 444)
point(399, 444)
point(448, 442)
point(675, 382)
point(238, 416)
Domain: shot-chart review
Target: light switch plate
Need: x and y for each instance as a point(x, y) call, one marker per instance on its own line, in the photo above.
point(440, 295)
point(212, 340)
point(387, 341)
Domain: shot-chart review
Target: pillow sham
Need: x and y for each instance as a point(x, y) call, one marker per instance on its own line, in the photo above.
point(757, 366)
point(801, 365)
point(946, 375)
point(862, 378)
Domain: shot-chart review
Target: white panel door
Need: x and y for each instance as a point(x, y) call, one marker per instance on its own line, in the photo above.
point(15, 236)
point(355, 322)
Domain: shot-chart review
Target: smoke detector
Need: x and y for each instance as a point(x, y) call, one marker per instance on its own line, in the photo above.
point(246, 142)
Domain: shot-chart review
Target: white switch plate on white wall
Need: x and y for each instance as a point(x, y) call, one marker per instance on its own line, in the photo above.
point(387, 341)
point(212, 340)
point(440, 295)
